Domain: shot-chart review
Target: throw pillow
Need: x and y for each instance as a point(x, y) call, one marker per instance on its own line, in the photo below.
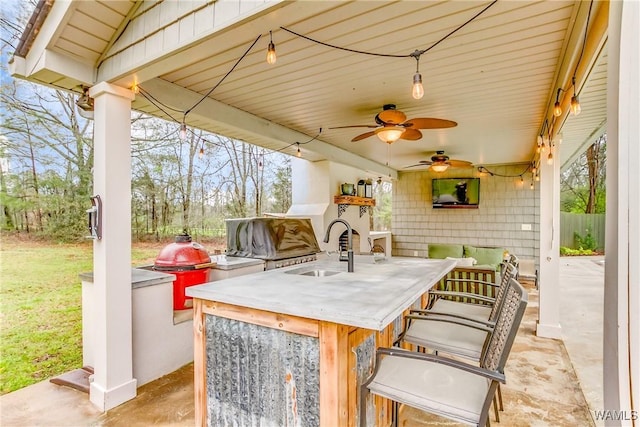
point(489, 256)
point(444, 250)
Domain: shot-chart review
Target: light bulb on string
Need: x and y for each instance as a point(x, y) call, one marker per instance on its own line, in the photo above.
point(299, 153)
point(557, 109)
point(417, 90)
point(575, 103)
point(537, 177)
point(201, 153)
point(532, 186)
point(183, 131)
point(550, 158)
point(271, 51)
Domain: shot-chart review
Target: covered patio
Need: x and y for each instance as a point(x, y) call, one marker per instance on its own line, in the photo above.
point(496, 69)
point(547, 380)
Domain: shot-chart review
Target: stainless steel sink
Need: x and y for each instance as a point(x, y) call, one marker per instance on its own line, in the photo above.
point(313, 273)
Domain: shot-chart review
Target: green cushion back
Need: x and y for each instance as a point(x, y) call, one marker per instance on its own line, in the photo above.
point(443, 250)
point(485, 256)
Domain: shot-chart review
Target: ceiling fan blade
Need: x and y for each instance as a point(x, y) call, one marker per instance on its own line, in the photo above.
point(416, 165)
point(460, 164)
point(429, 123)
point(411, 134)
point(355, 126)
point(363, 136)
point(394, 117)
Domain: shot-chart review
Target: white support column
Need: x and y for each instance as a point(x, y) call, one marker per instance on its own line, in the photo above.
point(621, 345)
point(113, 381)
point(549, 310)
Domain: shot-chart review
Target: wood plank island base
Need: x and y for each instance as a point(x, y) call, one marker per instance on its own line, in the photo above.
point(291, 346)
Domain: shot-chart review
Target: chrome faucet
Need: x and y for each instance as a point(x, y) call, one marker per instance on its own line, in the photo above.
point(349, 258)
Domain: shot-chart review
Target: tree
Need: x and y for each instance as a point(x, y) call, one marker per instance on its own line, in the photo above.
point(583, 183)
point(281, 188)
point(44, 134)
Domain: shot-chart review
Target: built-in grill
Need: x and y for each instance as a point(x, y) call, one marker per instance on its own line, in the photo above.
point(280, 242)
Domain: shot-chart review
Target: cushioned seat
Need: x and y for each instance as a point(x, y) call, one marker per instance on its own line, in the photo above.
point(470, 311)
point(431, 390)
point(446, 336)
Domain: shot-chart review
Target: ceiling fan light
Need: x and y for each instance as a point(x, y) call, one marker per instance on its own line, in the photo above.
point(418, 89)
point(390, 134)
point(439, 167)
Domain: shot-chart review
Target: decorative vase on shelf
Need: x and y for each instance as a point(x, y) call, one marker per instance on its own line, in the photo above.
point(368, 189)
point(347, 189)
point(360, 189)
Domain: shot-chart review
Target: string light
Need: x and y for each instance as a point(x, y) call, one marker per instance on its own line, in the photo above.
point(299, 153)
point(418, 90)
point(183, 131)
point(550, 158)
point(201, 152)
point(271, 51)
point(532, 186)
point(557, 109)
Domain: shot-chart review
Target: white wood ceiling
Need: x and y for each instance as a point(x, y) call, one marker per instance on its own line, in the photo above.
point(495, 77)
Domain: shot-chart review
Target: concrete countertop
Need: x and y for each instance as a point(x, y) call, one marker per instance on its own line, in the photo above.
point(139, 277)
point(232, 262)
point(371, 297)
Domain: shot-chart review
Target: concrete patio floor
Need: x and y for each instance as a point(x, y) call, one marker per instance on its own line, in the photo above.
point(549, 382)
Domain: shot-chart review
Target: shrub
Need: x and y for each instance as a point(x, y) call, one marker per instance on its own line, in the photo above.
point(564, 251)
point(587, 242)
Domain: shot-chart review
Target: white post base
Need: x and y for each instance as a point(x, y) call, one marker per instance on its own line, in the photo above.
point(549, 331)
point(107, 399)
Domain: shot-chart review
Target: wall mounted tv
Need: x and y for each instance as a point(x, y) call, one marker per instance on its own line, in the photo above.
point(455, 193)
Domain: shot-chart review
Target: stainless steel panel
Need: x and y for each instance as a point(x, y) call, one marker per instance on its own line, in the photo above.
point(271, 238)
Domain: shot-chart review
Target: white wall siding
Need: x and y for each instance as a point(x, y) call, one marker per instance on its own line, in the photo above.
point(505, 204)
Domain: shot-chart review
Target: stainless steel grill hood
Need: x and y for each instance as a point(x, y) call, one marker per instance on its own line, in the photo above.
point(271, 238)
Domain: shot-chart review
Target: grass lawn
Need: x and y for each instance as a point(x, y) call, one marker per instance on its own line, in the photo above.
point(40, 308)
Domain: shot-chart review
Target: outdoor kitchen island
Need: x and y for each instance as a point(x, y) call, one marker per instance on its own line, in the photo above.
point(290, 346)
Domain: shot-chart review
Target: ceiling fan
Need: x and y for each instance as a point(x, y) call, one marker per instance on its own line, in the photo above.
point(392, 125)
point(440, 162)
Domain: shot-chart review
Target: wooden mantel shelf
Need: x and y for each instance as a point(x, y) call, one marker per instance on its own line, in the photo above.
point(344, 202)
point(353, 200)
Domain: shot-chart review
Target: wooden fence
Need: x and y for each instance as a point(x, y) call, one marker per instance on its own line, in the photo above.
point(581, 224)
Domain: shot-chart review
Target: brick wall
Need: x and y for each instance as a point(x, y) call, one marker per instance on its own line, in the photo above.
point(505, 205)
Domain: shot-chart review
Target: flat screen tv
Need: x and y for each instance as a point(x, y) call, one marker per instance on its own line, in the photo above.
point(455, 193)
